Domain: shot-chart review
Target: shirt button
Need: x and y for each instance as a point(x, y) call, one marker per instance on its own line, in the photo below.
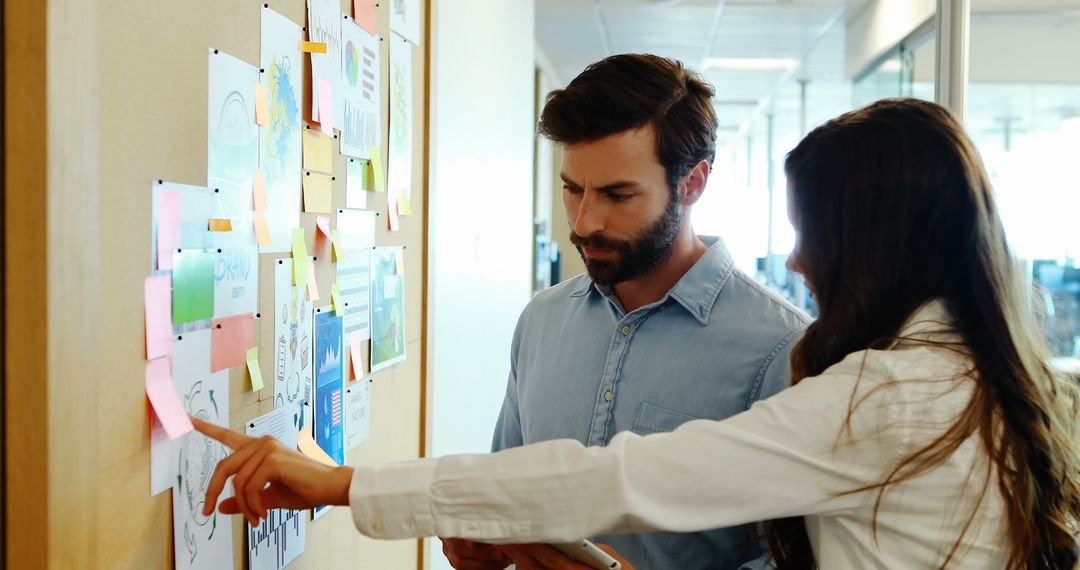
point(609, 396)
point(377, 527)
point(625, 331)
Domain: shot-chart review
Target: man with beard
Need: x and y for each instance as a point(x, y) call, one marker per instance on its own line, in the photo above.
point(662, 328)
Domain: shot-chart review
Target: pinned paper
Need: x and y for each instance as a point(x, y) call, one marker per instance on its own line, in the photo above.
point(357, 345)
point(339, 252)
point(317, 192)
point(312, 286)
point(262, 112)
point(254, 370)
point(230, 339)
point(313, 47)
point(326, 107)
point(376, 169)
point(306, 444)
point(335, 298)
point(258, 181)
point(157, 305)
point(262, 231)
point(366, 16)
point(167, 407)
point(318, 152)
point(193, 286)
point(220, 225)
point(356, 183)
point(169, 214)
point(300, 257)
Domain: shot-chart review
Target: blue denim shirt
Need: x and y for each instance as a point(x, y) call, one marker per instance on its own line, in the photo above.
point(582, 368)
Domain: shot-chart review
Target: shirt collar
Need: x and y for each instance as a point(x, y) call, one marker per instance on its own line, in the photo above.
point(698, 289)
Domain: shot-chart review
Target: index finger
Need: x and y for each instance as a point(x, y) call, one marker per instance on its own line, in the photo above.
point(231, 439)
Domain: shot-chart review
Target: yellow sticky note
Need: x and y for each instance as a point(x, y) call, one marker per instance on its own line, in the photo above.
point(317, 192)
point(313, 47)
point(262, 111)
point(220, 225)
point(262, 232)
point(339, 252)
point(318, 151)
point(253, 369)
point(300, 257)
point(400, 262)
point(335, 298)
point(376, 168)
point(258, 188)
point(306, 444)
point(406, 206)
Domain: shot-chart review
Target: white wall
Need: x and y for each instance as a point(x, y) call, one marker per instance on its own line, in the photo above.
point(479, 213)
point(880, 26)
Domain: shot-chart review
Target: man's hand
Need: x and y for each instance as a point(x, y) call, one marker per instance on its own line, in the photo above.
point(544, 557)
point(267, 475)
point(469, 555)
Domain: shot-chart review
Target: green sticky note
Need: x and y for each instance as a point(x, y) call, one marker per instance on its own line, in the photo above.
point(376, 168)
point(335, 297)
point(300, 257)
point(193, 285)
point(253, 369)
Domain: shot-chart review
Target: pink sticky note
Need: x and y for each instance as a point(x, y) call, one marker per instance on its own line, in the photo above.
point(262, 231)
point(157, 304)
point(169, 210)
point(357, 355)
point(323, 223)
point(365, 15)
point(326, 107)
point(159, 389)
point(312, 286)
point(230, 339)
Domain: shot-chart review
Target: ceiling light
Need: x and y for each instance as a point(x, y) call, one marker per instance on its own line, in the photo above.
point(750, 64)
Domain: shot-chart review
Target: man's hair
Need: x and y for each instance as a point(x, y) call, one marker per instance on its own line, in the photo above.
point(630, 91)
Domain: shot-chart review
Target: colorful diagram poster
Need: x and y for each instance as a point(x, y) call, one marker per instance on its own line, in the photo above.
point(324, 26)
point(387, 307)
point(399, 169)
point(232, 141)
point(329, 386)
point(360, 85)
point(200, 541)
point(294, 317)
point(279, 142)
point(280, 537)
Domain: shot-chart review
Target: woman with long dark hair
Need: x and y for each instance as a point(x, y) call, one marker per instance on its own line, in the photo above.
point(924, 430)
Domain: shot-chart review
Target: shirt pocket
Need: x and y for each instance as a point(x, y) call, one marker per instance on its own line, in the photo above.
point(651, 418)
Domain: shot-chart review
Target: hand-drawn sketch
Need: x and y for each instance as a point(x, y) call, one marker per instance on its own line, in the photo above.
point(293, 321)
point(232, 140)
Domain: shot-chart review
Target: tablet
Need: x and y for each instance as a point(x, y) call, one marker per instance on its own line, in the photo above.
point(589, 554)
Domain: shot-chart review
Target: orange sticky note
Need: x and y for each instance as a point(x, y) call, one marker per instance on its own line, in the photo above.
point(400, 258)
point(258, 180)
point(159, 389)
point(376, 168)
point(326, 107)
point(220, 225)
point(392, 211)
point(317, 192)
point(313, 47)
point(357, 353)
point(312, 286)
point(262, 232)
point(366, 16)
point(254, 370)
point(323, 223)
point(306, 444)
point(157, 304)
point(230, 338)
point(262, 112)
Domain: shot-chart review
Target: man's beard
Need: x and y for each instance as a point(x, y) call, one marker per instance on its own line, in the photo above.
point(635, 257)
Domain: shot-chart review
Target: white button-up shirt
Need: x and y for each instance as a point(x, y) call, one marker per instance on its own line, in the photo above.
point(792, 454)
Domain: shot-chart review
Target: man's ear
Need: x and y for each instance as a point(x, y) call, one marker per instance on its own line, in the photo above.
point(694, 182)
